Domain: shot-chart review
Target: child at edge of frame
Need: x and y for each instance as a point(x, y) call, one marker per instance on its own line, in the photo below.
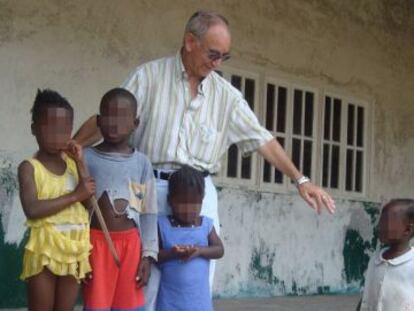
point(52, 187)
point(389, 280)
point(126, 194)
point(187, 243)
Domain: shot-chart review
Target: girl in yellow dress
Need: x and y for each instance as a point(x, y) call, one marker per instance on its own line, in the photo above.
point(56, 255)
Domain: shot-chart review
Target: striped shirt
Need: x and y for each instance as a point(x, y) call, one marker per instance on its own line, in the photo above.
point(176, 129)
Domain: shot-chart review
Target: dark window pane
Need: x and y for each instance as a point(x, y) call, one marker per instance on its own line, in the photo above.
point(278, 174)
point(232, 161)
point(281, 110)
point(266, 171)
point(327, 121)
point(307, 158)
point(246, 169)
point(350, 133)
point(270, 104)
point(296, 153)
point(297, 112)
point(335, 167)
point(325, 165)
point(358, 171)
point(236, 81)
point(249, 92)
point(336, 130)
point(360, 127)
point(349, 169)
point(308, 114)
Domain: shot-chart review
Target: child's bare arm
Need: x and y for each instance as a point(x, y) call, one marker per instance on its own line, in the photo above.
point(176, 252)
point(75, 151)
point(215, 248)
point(35, 208)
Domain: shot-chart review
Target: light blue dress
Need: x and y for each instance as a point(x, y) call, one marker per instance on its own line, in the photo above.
point(184, 284)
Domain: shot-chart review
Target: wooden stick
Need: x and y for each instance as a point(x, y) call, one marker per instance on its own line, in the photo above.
point(97, 210)
point(83, 171)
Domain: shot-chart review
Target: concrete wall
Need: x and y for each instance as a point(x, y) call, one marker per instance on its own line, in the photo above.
point(274, 244)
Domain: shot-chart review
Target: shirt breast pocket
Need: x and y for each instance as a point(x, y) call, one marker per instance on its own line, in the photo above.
point(206, 143)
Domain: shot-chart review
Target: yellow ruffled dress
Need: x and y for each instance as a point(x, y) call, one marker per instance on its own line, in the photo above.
point(57, 241)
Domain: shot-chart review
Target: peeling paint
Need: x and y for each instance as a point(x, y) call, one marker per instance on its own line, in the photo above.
point(357, 250)
point(12, 292)
point(12, 289)
point(355, 258)
point(262, 264)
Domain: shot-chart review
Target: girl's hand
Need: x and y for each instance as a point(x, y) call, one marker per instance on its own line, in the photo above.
point(192, 252)
point(85, 189)
point(87, 279)
point(179, 251)
point(74, 150)
point(144, 272)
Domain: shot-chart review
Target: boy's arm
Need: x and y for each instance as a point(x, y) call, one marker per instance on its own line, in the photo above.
point(149, 218)
point(89, 133)
point(35, 208)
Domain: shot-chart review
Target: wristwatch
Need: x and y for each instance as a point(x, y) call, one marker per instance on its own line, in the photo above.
point(302, 180)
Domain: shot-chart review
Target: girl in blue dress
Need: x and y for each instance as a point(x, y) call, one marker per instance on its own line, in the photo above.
point(187, 243)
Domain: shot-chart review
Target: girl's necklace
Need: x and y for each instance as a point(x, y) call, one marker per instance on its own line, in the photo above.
point(177, 224)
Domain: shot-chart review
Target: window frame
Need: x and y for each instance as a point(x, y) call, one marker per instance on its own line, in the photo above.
point(367, 156)
point(262, 77)
point(221, 178)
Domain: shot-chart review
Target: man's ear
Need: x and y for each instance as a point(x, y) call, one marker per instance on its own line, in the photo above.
point(189, 41)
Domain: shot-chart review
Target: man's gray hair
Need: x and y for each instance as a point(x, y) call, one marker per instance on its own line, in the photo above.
point(201, 21)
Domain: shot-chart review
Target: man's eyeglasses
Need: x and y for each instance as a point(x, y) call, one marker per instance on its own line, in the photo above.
point(214, 55)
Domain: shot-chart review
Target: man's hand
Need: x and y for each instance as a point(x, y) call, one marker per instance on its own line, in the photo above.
point(316, 197)
point(144, 272)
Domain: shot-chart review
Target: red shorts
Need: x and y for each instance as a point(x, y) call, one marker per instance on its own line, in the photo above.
point(112, 288)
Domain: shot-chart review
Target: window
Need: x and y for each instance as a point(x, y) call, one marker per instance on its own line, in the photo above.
point(275, 115)
point(343, 145)
point(289, 116)
point(236, 169)
point(332, 151)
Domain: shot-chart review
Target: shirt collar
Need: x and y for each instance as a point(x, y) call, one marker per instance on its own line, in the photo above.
point(397, 260)
point(181, 74)
point(179, 66)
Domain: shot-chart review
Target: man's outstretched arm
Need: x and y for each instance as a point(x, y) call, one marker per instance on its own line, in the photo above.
point(315, 196)
point(89, 133)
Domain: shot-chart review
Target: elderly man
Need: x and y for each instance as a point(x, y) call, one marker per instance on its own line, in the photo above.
point(190, 115)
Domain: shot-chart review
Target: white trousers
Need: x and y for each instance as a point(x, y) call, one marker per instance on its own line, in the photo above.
point(209, 209)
